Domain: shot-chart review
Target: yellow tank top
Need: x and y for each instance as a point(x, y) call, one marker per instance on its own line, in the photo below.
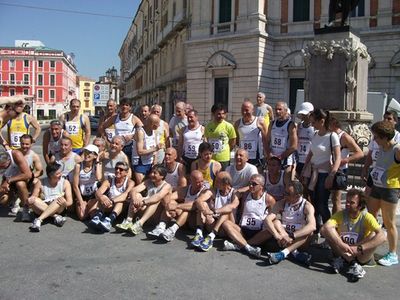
point(266, 119)
point(17, 128)
point(208, 174)
point(75, 131)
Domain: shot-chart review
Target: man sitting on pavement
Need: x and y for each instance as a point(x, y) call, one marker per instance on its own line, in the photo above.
point(294, 228)
point(256, 207)
point(353, 234)
point(157, 189)
point(57, 196)
point(215, 206)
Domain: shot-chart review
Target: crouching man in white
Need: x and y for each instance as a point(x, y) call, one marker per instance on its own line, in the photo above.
point(353, 234)
point(216, 206)
point(57, 196)
point(295, 227)
point(256, 206)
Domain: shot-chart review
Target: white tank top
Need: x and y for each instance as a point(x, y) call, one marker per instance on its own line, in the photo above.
point(192, 138)
point(124, 127)
point(192, 197)
point(249, 137)
point(54, 146)
point(293, 217)
point(305, 135)
point(68, 165)
point(221, 200)
point(344, 152)
point(254, 212)
point(374, 147)
point(173, 177)
point(51, 193)
point(110, 164)
point(87, 181)
point(116, 191)
point(12, 169)
point(279, 137)
point(152, 189)
point(148, 142)
point(29, 159)
point(275, 189)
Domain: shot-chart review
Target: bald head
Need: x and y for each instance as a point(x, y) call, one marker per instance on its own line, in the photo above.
point(224, 178)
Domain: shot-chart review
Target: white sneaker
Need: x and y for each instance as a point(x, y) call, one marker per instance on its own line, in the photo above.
point(228, 246)
point(168, 234)
point(157, 231)
point(35, 227)
point(25, 216)
point(254, 251)
point(59, 220)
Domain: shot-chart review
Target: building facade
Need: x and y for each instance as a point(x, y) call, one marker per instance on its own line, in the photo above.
point(85, 94)
point(211, 51)
point(48, 74)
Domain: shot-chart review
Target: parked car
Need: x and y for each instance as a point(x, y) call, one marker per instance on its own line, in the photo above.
point(94, 122)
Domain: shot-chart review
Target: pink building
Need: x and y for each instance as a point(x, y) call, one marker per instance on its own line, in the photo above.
point(48, 74)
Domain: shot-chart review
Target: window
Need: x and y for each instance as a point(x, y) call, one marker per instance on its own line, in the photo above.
point(52, 94)
point(12, 63)
point(26, 78)
point(40, 94)
point(301, 10)
point(40, 114)
point(86, 103)
point(52, 113)
point(12, 78)
point(87, 84)
point(26, 63)
point(26, 91)
point(295, 84)
point(12, 92)
point(359, 10)
point(221, 91)
point(52, 64)
point(225, 11)
point(40, 63)
point(40, 79)
point(86, 94)
point(52, 80)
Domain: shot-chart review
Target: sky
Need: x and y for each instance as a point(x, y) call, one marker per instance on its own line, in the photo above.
point(95, 40)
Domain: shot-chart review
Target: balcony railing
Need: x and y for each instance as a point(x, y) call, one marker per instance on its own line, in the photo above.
point(15, 83)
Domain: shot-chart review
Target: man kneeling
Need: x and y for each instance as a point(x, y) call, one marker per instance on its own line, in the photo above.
point(353, 234)
point(57, 196)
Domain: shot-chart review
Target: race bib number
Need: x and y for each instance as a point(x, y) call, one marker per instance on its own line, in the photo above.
point(304, 148)
point(292, 227)
point(278, 142)
point(87, 190)
point(72, 127)
point(375, 154)
point(15, 138)
point(217, 145)
point(350, 238)
point(377, 174)
point(250, 146)
point(251, 222)
point(191, 151)
point(110, 133)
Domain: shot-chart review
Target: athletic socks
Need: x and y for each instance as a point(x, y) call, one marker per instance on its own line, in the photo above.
point(113, 216)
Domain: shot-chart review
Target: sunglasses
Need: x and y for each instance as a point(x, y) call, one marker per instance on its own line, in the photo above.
point(252, 183)
point(120, 169)
point(89, 152)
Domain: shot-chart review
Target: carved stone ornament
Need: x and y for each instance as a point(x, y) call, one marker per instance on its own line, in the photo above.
point(360, 133)
point(351, 49)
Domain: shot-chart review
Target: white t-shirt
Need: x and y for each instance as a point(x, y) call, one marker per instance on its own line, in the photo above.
point(241, 178)
point(321, 148)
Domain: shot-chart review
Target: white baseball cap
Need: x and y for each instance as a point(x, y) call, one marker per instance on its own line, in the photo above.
point(305, 108)
point(92, 148)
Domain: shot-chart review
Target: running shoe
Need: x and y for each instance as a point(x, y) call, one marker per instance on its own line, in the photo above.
point(303, 257)
point(337, 264)
point(94, 222)
point(168, 235)
point(136, 228)
point(254, 251)
point(196, 241)
point(228, 246)
point(206, 244)
point(124, 226)
point(155, 233)
point(389, 259)
point(35, 227)
point(25, 216)
point(355, 271)
point(59, 220)
point(276, 257)
point(105, 224)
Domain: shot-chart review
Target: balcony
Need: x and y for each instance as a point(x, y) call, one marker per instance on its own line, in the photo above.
point(15, 83)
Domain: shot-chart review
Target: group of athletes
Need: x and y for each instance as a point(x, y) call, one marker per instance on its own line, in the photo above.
point(275, 190)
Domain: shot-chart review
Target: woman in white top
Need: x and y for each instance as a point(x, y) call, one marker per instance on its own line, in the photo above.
point(86, 180)
point(324, 145)
point(57, 196)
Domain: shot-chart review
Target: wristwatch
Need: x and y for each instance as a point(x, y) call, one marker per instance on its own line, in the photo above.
point(360, 249)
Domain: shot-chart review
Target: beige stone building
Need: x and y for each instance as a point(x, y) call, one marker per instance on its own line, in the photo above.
point(226, 50)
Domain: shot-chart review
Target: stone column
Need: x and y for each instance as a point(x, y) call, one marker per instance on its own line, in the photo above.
point(336, 78)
